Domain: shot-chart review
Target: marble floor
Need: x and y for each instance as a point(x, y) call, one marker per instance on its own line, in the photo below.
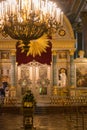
point(59, 121)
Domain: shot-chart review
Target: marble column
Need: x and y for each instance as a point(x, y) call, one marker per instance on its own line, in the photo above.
point(13, 68)
point(83, 17)
point(54, 68)
point(72, 69)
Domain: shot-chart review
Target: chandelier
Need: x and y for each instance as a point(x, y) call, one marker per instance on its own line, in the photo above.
point(26, 20)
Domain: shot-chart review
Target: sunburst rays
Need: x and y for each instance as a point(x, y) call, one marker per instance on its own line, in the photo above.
point(36, 47)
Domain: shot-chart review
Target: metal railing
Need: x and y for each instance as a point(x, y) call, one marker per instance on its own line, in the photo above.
point(75, 111)
point(69, 101)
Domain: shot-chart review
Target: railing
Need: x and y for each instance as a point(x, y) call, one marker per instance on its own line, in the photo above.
point(75, 111)
point(69, 101)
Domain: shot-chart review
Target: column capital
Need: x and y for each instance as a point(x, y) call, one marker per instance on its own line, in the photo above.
point(72, 51)
point(54, 52)
point(13, 52)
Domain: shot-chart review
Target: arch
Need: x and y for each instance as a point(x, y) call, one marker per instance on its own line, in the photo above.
point(66, 41)
point(69, 27)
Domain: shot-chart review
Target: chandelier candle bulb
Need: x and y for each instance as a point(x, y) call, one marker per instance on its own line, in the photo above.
point(38, 4)
point(50, 8)
point(6, 8)
point(19, 5)
point(46, 5)
point(32, 6)
point(58, 15)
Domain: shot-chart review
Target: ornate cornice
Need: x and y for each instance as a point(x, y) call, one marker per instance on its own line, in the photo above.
point(13, 52)
point(7, 44)
point(64, 44)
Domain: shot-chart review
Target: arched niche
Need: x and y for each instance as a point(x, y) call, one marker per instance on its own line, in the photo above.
point(63, 48)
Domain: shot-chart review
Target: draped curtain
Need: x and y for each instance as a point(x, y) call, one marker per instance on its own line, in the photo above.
point(45, 58)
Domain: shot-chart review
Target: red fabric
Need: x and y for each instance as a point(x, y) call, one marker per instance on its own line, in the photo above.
point(45, 58)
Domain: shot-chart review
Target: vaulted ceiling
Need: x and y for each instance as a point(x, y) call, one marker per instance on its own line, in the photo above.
point(72, 8)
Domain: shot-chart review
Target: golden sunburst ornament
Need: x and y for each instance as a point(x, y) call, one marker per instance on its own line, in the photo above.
point(36, 47)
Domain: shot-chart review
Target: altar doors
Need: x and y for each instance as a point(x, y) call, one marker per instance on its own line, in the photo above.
point(36, 77)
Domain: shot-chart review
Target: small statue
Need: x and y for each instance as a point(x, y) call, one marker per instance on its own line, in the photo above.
point(62, 78)
point(81, 54)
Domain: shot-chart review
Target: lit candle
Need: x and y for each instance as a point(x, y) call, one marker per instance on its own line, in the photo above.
point(46, 5)
point(50, 8)
point(28, 8)
point(6, 7)
point(38, 4)
point(32, 5)
point(30, 2)
point(58, 15)
point(19, 5)
point(22, 4)
point(10, 7)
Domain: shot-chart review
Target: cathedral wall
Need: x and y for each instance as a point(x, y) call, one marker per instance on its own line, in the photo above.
point(59, 79)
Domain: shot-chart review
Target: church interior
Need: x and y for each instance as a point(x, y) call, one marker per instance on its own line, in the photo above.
point(43, 49)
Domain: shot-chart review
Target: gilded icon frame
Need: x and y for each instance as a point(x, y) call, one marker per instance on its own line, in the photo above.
point(81, 75)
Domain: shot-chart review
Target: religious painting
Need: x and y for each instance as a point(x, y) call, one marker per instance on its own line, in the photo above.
point(81, 75)
point(43, 91)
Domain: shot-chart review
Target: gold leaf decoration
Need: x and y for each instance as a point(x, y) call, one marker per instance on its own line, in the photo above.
point(36, 47)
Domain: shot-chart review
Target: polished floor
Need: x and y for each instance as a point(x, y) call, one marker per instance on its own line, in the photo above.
point(48, 121)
